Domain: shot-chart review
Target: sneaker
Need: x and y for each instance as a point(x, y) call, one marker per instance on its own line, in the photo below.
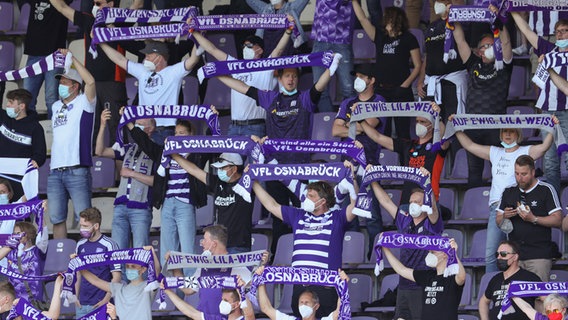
point(521, 50)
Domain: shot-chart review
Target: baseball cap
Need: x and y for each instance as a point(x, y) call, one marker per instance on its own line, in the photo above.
point(155, 47)
point(71, 74)
point(228, 159)
point(364, 69)
point(255, 40)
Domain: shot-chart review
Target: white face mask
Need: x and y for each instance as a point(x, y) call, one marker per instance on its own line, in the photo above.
point(359, 85)
point(489, 53)
point(439, 8)
point(415, 210)
point(421, 130)
point(248, 53)
point(149, 65)
point(431, 260)
point(309, 206)
point(305, 311)
point(94, 11)
point(275, 2)
point(224, 307)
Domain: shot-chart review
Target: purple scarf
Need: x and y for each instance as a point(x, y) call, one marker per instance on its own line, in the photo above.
point(315, 146)
point(23, 277)
point(48, 63)
point(551, 60)
point(84, 262)
point(122, 15)
point(219, 68)
point(544, 122)
point(304, 276)
point(26, 310)
point(335, 172)
point(240, 22)
point(20, 211)
point(192, 112)
point(97, 314)
point(377, 173)
point(413, 241)
point(524, 289)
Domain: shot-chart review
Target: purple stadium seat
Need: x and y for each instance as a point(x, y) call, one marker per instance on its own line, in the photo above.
point(466, 293)
point(476, 255)
point(223, 41)
point(259, 242)
point(6, 16)
point(322, 126)
point(102, 172)
point(458, 236)
point(518, 85)
point(389, 158)
point(448, 198)
point(395, 195)
point(22, 24)
point(131, 88)
point(564, 200)
point(388, 282)
point(204, 215)
point(459, 172)
point(57, 257)
point(373, 259)
point(474, 209)
point(360, 290)
point(283, 255)
point(190, 87)
point(7, 53)
point(558, 276)
point(286, 298)
point(482, 286)
point(217, 94)
point(365, 47)
point(353, 249)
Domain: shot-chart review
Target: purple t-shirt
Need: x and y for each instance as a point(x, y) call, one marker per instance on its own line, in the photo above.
point(89, 294)
point(318, 240)
point(209, 298)
point(540, 316)
point(288, 117)
point(414, 258)
point(333, 22)
point(372, 149)
point(550, 98)
point(32, 262)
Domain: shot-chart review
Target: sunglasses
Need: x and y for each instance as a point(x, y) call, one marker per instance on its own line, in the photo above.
point(553, 311)
point(248, 45)
point(503, 254)
point(485, 46)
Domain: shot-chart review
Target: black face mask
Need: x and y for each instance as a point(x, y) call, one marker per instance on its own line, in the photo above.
point(502, 265)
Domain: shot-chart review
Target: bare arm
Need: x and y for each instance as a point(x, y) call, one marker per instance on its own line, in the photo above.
point(525, 307)
point(538, 150)
point(484, 307)
point(341, 127)
point(63, 8)
point(403, 271)
point(506, 45)
point(349, 211)
point(183, 306)
point(234, 84)
point(279, 49)
point(100, 149)
point(191, 168)
point(323, 81)
point(463, 46)
point(385, 141)
point(95, 281)
point(267, 201)
point(565, 224)
point(4, 252)
point(90, 89)
point(460, 277)
point(193, 59)
point(384, 199)
point(129, 173)
point(478, 150)
point(55, 305)
point(209, 47)
point(265, 305)
point(365, 23)
point(114, 55)
point(417, 62)
point(421, 78)
point(559, 81)
point(524, 27)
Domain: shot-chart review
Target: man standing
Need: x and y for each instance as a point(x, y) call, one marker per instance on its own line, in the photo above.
point(71, 151)
point(158, 83)
point(534, 209)
point(507, 262)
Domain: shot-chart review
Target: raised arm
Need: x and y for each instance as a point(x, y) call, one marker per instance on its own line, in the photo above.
point(538, 150)
point(63, 8)
point(478, 150)
point(506, 45)
point(398, 267)
point(193, 59)
point(384, 199)
point(267, 201)
point(559, 81)
point(263, 300)
point(525, 29)
point(209, 47)
point(385, 141)
point(191, 168)
point(234, 84)
point(55, 305)
point(90, 90)
point(460, 277)
point(114, 56)
point(95, 281)
point(463, 46)
point(525, 307)
point(183, 306)
point(323, 80)
point(281, 46)
point(100, 149)
point(362, 17)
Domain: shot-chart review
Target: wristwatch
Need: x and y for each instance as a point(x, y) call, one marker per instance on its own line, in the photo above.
point(535, 221)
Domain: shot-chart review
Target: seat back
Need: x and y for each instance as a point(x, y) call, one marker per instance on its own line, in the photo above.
point(259, 241)
point(102, 173)
point(353, 248)
point(475, 204)
point(7, 53)
point(360, 290)
point(322, 126)
point(283, 255)
point(217, 94)
point(58, 255)
point(190, 88)
point(366, 51)
point(223, 41)
point(6, 16)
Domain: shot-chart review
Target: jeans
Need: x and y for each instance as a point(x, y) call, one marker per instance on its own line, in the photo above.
point(62, 185)
point(33, 84)
point(258, 130)
point(494, 237)
point(375, 12)
point(551, 159)
point(84, 310)
point(126, 220)
point(177, 228)
point(161, 133)
point(343, 73)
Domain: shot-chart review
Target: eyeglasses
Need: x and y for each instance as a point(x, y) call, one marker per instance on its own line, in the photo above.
point(503, 254)
point(485, 46)
point(560, 32)
point(553, 311)
point(98, 3)
point(248, 45)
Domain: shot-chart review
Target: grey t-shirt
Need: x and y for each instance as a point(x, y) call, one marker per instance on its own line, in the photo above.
point(131, 301)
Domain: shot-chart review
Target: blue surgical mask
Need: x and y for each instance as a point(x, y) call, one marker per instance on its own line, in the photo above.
point(63, 91)
point(562, 44)
point(288, 92)
point(508, 146)
point(132, 274)
point(11, 112)
point(4, 198)
point(223, 176)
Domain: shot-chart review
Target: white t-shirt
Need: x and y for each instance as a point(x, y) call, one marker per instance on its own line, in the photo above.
point(503, 170)
point(72, 132)
point(158, 88)
point(283, 316)
point(244, 107)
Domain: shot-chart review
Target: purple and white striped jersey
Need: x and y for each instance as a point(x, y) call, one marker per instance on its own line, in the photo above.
point(550, 98)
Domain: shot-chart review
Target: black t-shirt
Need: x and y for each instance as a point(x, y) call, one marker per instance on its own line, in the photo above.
point(231, 211)
point(497, 290)
point(543, 201)
point(47, 29)
point(434, 47)
point(417, 155)
point(488, 88)
point(442, 295)
point(393, 56)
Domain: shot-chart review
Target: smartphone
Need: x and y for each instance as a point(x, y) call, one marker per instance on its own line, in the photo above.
point(107, 105)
